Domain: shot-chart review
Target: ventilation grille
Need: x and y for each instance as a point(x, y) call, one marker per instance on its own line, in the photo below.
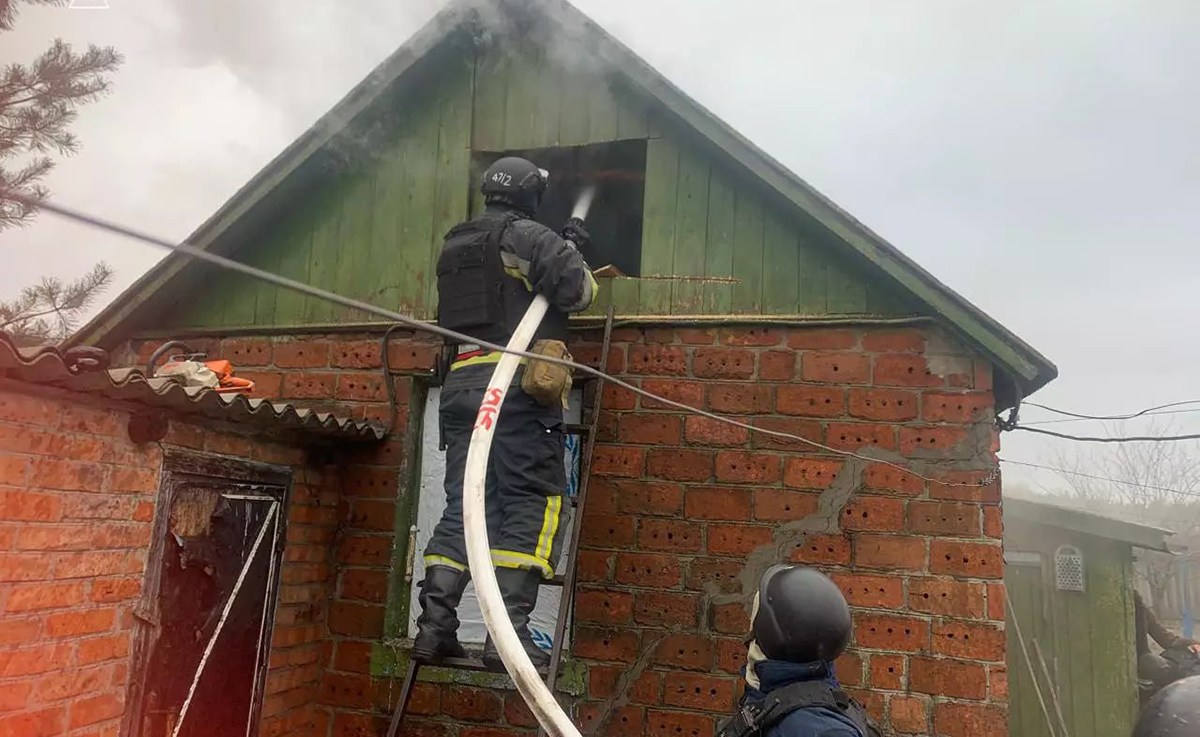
point(1068, 569)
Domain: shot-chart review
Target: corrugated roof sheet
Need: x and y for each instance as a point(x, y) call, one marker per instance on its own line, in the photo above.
point(52, 367)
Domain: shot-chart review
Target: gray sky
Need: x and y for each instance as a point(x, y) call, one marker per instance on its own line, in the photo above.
point(1040, 157)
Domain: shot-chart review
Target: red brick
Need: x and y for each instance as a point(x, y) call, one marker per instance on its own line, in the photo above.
point(849, 669)
point(649, 570)
point(993, 523)
point(689, 652)
point(946, 596)
point(723, 363)
point(652, 429)
point(970, 720)
point(15, 696)
point(702, 693)
point(983, 376)
point(832, 549)
point(965, 486)
point(20, 631)
point(97, 649)
point(737, 540)
point(957, 407)
point(516, 711)
point(729, 619)
point(904, 370)
point(998, 681)
point(679, 723)
point(679, 465)
point(135, 480)
point(361, 387)
point(44, 596)
point(472, 704)
point(810, 401)
point(301, 354)
point(658, 360)
point(784, 505)
point(29, 567)
point(836, 368)
point(355, 354)
point(810, 473)
point(618, 397)
point(689, 393)
point(91, 420)
point(593, 566)
point(611, 460)
point(46, 722)
point(69, 624)
point(939, 439)
point(878, 513)
point(604, 607)
point(696, 336)
point(966, 559)
point(96, 709)
point(731, 654)
point(857, 435)
point(970, 641)
point(997, 601)
point(356, 620)
point(365, 551)
point(740, 399)
point(364, 585)
point(803, 433)
point(618, 646)
point(753, 468)
point(75, 682)
point(887, 632)
point(370, 482)
point(308, 386)
point(677, 536)
point(892, 405)
point(718, 502)
point(887, 671)
point(31, 661)
point(246, 352)
point(884, 477)
point(600, 721)
point(876, 592)
point(61, 474)
point(607, 530)
point(87, 565)
point(721, 575)
point(589, 355)
point(899, 340)
point(662, 608)
point(408, 356)
point(822, 339)
point(776, 366)
point(751, 336)
point(349, 724)
point(28, 506)
point(944, 518)
point(706, 431)
point(908, 715)
point(890, 551)
point(646, 497)
point(28, 410)
point(941, 677)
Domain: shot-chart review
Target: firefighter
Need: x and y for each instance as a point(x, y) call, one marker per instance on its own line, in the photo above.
point(489, 270)
point(1173, 712)
point(800, 625)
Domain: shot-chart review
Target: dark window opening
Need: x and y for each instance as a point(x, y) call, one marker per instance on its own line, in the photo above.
point(617, 170)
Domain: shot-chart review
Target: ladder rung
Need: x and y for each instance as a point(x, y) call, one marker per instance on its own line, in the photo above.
point(468, 664)
point(556, 581)
point(572, 429)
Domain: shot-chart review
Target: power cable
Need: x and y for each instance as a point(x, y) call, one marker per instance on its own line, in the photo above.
point(1094, 439)
point(1090, 419)
point(1147, 411)
point(416, 324)
point(1081, 474)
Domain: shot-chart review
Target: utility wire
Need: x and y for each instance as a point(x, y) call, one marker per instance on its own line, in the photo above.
point(416, 324)
point(1147, 411)
point(1149, 487)
point(1091, 419)
point(1095, 439)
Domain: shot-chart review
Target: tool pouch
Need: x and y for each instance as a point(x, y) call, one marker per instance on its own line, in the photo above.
point(548, 383)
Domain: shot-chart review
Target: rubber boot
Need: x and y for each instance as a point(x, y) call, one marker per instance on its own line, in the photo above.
point(519, 587)
point(437, 627)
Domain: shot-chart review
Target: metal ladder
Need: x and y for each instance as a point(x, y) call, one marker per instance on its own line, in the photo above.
point(587, 431)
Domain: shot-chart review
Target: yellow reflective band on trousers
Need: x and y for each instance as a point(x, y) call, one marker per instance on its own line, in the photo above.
point(441, 560)
point(549, 527)
point(513, 559)
point(493, 357)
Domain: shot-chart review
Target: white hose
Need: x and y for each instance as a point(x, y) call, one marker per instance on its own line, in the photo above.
point(543, 704)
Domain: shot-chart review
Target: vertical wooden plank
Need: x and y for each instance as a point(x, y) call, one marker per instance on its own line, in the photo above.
point(352, 276)
point(490, 101)
point(322, 263)
point(1114, 694)
point(383, 277)
point(574, 108)
point(811, 277)
point(240, 293)
point(520, 107)
point(416, 203)
point(626, 295)
point(294, 262)
point(205, 305)
point(454, 163)
point(603, 112)
point(268, 259)
point(718, 253)
point(550, 80)
point(632, 120)
point(781, 263)
point(846, 290)
point(658, 228)
point(691, 230)
point(883, 299)
point(748, 253)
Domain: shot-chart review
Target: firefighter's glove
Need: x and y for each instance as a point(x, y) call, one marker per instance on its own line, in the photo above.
point(573, 231)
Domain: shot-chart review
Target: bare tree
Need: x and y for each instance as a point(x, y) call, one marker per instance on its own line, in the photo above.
point(38, 103)
point(48, 311)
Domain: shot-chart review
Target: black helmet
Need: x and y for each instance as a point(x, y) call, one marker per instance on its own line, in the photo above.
point(515, 181)
point(802, 616)
point(1173, 712)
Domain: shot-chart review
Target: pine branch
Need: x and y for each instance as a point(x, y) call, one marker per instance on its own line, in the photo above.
point(24, 317)
point(8, 10)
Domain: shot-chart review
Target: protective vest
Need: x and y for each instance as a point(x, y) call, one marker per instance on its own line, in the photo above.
point(480, 296)
point(756, 717)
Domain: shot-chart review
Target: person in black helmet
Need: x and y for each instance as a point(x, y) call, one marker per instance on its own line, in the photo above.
point(489, 270)
point(1173, 712)
point(800, 624)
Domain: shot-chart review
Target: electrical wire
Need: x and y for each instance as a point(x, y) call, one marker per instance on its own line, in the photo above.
point(1149, 487)
point(417, 324)
point(1095, 439)
point(1091, 419)
point(1147, 411)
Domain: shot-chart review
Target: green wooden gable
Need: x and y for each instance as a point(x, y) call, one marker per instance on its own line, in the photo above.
point(360, 203)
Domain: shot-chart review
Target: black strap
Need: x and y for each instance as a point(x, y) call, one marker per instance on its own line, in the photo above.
point(755, 717)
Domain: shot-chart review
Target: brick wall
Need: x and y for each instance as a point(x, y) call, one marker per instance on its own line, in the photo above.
point(77, 504)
